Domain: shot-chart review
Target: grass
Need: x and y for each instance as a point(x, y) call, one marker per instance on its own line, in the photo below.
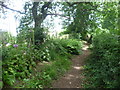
point(47, 73)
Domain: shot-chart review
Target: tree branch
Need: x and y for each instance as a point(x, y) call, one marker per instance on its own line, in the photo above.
point(46, 5)
point(44, 9)
point(11, 8)
point(56, 14)
point(61, 15)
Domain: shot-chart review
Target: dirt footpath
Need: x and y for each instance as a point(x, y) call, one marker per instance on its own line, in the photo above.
point(73, 78)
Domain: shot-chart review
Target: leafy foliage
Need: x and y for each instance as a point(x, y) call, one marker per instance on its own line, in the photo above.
point(81, 18)
point(21, 56)
point(47, 74)
point(86, 17)
point(102, 69)
point(72, 46)
point(17, 63)
point(20, 59)
point(39, 35)
point(110, 16)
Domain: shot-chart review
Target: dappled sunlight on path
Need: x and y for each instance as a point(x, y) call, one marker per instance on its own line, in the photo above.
point(73, 78)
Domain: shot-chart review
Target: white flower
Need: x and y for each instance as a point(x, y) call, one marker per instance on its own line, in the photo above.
point(8, 44)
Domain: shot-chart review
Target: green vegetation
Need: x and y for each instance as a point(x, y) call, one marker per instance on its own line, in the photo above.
point(44, 77)
point(72, 46)
point(102, 68)
point(34, 58)
point(20, 60)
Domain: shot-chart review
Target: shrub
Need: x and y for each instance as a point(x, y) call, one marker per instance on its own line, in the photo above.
point(72, 46)
point(19, 61)
point(48, 73)
point(17, 64)
point(104, 65)
point(51, 49)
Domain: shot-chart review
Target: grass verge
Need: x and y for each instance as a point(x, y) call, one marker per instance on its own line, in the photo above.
point(47, 73)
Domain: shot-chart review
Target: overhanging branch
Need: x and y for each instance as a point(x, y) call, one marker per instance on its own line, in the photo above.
point(1, 4)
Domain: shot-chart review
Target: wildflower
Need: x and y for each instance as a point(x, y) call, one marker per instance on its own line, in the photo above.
point(24, 53)
point(15, 45)
point(25, 42)
point(8, 44)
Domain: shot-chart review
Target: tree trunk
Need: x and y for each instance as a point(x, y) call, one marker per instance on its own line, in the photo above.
point(38, 19)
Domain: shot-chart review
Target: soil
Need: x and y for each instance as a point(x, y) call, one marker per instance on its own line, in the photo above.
point(73, 78)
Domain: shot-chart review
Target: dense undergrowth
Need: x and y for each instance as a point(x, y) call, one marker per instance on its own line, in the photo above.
point(20, 62)
point(102, 69)
point(43, 75)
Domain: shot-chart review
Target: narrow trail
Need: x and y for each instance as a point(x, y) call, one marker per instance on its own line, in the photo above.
point(73, 78)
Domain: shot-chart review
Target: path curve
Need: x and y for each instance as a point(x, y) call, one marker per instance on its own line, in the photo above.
point(73, 78)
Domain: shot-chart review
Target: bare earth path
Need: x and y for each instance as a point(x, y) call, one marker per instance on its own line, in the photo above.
point(73, 78)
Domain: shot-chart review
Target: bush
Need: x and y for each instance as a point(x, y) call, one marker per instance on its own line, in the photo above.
point(103, 67)
point(72, 46)
point(17, 64)
point(52, 48)
point(20, 59)
point(43, 78)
